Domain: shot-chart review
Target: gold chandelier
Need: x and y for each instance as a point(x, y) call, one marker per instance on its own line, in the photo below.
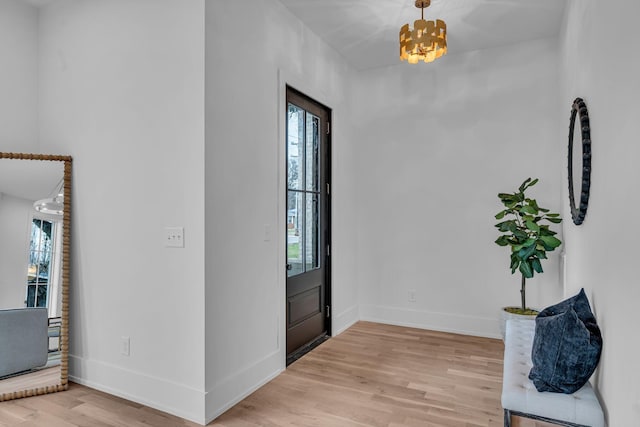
point(426, 42)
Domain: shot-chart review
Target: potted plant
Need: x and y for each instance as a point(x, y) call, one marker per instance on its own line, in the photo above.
point(524, 228)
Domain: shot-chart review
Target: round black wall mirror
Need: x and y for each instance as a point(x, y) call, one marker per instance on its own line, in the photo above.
point(579, 163)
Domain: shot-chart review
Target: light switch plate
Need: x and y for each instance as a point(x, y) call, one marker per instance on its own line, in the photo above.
point(174, 237)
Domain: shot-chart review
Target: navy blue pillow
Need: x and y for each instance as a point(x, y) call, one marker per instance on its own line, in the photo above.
point(566, 346)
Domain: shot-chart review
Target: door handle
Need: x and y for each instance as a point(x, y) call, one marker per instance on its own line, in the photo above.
point(289, 267)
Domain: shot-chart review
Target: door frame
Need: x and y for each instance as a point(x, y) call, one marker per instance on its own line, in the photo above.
point(297, 83)
point(309, 104)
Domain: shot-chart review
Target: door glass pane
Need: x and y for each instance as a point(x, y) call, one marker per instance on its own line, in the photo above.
point(295, 232)
point(311, 232)
point(41, 248)
point(37, 295)
point(311, 151)
point(295, 147)
point(303, 138)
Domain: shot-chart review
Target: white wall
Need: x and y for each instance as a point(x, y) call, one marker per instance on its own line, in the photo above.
point(246, 73)
point(18, 76)
point(419, 154)
point(119, 85)
point(122, 91)
point(15, 226)
point(436, 143)
point(601, 66)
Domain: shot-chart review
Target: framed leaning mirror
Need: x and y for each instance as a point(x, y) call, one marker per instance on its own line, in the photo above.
point(35, 224)
point(579, 160)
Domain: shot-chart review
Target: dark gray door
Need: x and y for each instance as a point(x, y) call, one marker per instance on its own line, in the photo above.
point(308, 311)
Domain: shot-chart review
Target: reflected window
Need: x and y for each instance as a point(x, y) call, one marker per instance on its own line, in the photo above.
point(41, 250)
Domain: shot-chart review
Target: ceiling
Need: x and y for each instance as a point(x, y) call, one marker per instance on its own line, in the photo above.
point(365, 32)
point(29, 179)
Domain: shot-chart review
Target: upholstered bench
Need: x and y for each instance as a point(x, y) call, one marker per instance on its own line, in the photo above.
point(520, 397)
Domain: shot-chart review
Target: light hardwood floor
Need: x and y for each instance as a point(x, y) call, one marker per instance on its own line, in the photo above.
point(371, 375)
point(42, 378)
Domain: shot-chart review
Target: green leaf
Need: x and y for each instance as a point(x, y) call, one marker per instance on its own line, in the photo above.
point(527, 243)
point(532, 183)
point(535, 263)
point(501, 214)
point(550, 242)
point(508, 200)
point(502, 240)
point(515, 262)
point(532, 226)
point(526, 252)
point(526, 270)
point(540, 253)
point(553, 215)
point(554, 220)
point(529, 209)
point(520, 235)
point(509, 225)
point(544, 231)
point(524, 185)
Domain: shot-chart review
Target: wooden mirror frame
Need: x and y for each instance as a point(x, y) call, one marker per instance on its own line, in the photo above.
point(579, 109)
point(66, 262)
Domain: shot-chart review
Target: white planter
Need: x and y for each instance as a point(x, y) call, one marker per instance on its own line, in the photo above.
point(506, 316)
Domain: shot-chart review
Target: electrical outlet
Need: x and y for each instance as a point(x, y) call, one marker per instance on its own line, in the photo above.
point(125, 346)
point(174, 237)
point(411, 296)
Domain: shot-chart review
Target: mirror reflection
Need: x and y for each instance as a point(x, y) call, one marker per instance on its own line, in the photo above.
point(31, 276)
point(576, 163)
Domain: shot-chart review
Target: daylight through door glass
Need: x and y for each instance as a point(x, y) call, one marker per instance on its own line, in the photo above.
point(303, 195)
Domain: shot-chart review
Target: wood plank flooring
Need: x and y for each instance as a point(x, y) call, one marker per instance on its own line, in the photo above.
point(82, 406)
point(371, 375)
point(42, 378)
point(383, 376)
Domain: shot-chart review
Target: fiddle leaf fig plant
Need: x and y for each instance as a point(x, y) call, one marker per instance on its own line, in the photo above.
point(525, 230)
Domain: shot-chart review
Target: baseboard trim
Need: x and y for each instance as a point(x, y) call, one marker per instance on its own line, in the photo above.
point(191, 404)
point(242, 384)
point(344, 320)
point(166, 396)
point(444, 322)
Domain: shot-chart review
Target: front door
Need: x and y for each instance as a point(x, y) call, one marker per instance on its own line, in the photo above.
point(308, 311)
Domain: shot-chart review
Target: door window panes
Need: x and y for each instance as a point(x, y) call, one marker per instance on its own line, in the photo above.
point(303, 195)
point(311, 152)
point(39, 269)
point(311, 233)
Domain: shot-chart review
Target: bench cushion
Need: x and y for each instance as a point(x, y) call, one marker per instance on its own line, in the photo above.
point(519, 394)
